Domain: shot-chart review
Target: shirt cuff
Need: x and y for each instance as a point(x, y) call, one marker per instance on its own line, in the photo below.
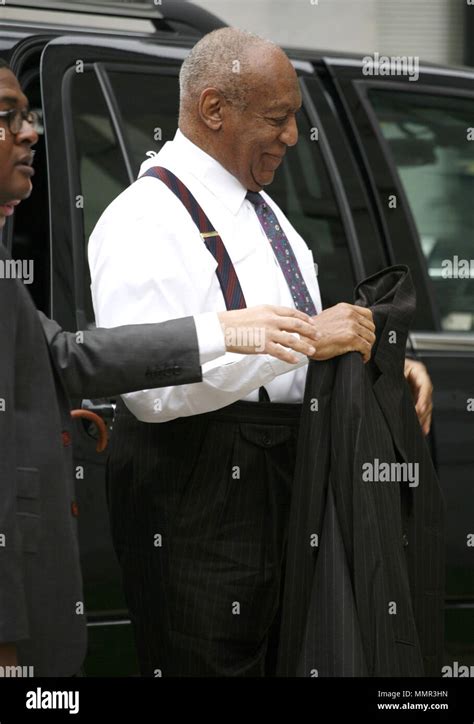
point(280, 367)
point(210, 337)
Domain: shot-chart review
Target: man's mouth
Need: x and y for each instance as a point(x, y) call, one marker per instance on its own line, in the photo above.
point(8, 208)
point(25, 165)
point(273, 161)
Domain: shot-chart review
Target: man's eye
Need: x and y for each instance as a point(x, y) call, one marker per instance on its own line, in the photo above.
point(278, 121)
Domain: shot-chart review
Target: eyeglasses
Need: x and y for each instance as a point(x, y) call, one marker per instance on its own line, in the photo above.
point(16, 118)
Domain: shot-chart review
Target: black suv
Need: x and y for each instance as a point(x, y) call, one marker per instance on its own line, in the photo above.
point(383, 173)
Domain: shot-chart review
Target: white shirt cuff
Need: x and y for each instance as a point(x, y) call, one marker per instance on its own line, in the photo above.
point(280, 367)
point(210, 337)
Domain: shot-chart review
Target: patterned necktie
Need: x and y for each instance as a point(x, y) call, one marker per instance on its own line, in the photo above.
point(284, 254)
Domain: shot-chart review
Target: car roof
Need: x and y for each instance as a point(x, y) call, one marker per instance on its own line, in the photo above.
point(183, 19)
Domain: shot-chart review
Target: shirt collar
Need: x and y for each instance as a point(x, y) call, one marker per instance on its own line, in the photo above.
point(183, 153)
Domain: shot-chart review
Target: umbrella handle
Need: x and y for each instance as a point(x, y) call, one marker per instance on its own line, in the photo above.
point(98, 422)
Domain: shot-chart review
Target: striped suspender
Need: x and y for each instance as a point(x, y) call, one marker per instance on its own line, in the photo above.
point(230, 285)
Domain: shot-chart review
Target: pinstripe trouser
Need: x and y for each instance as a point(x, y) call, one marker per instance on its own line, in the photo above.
point(199, 511)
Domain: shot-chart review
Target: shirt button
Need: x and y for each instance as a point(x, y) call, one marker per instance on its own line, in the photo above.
point(277, 227)
point(405, 539)
point(66, 438)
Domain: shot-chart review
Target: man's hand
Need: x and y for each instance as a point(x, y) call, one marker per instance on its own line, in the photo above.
point(344, 328)
point(269, 330)
point(422, 390)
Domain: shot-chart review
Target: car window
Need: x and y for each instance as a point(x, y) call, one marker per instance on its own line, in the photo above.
point(431, 142)
point(102, 168)
point(152, 118)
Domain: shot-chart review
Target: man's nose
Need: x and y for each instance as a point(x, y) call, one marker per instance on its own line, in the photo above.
point(27, 134)
point(289, 136)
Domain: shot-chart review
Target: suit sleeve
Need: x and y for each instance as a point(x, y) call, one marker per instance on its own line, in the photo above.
point(13, 609)
point(108, 362)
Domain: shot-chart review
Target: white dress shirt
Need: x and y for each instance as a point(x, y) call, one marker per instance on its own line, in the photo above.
point(149, 264)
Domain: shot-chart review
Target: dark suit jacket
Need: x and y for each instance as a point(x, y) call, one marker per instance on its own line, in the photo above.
point(365, 597)
point(40, 367)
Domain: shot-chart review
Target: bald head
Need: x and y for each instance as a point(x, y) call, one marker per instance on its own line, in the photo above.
point(238, 97)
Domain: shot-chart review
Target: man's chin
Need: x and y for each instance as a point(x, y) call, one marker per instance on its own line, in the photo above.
point(21, 190)
point(8, 209)
point(25, 193)
point(264, 178)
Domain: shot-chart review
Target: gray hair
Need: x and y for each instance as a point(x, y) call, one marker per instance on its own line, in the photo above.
point(220, 60)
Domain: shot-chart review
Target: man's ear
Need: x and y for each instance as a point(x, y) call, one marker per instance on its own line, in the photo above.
point(210, 108)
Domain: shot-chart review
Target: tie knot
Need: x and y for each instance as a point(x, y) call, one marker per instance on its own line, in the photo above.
point(254, 198)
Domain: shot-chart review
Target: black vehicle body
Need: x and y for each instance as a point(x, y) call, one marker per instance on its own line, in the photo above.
point(382, 174)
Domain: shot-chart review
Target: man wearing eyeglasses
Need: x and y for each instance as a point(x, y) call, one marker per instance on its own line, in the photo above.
point(42, 623)
point(16, 167)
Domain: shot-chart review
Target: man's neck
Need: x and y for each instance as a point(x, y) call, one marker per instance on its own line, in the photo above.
point(203, 142)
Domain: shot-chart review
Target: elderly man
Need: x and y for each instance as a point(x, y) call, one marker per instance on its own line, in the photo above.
point(200, 477)
point(40, 365)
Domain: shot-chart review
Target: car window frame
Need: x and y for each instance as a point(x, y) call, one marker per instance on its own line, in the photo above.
point(58, 56)
point(101, 70)
point(353, 90)
point(367, 234)
point(130, 67)
point(340, 198)
point(364, 88)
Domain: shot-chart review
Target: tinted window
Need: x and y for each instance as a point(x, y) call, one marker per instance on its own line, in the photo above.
point(431, 140)
point(101, 165)
point(152, 118)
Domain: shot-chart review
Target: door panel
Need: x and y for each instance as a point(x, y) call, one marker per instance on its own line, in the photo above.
point(88, 146)
point(414, 147)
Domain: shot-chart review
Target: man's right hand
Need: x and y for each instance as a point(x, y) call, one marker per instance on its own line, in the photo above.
point(269, 330)
point(344, 328)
